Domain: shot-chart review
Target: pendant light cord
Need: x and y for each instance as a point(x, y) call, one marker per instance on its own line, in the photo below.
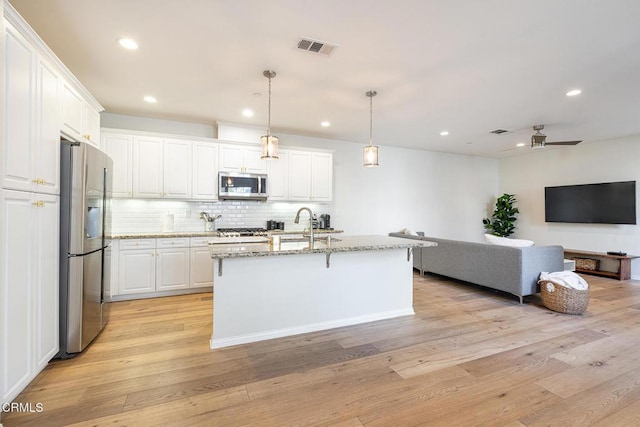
point(370, 121)
point(269, 115)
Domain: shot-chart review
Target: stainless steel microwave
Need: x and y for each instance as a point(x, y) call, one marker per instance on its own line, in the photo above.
point(242, 186)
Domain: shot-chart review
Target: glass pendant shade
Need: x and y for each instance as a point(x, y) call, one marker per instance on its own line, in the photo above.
point(370, 158)
point(269, 142)
point(269, 147)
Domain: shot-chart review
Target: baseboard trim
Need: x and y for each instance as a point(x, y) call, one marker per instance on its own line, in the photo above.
point(314, 327)
point(632, 278)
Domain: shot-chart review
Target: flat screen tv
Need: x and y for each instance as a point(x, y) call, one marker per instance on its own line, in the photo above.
point(605, 203)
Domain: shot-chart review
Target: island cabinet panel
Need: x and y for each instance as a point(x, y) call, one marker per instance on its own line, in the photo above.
point(120, 148)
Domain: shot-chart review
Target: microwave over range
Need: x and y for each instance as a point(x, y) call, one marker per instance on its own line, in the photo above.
point(242, 186)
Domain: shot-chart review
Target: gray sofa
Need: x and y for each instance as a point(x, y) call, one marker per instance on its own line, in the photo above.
point(508, 269)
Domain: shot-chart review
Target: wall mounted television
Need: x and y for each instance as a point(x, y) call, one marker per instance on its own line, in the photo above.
point(605, 203)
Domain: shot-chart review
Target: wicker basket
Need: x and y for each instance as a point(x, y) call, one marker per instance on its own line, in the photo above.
point(562, 299)
point(586, 264)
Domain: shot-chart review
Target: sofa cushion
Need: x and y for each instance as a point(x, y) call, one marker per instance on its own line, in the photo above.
point(505, 241)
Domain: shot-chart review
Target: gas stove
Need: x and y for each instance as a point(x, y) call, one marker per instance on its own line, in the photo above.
point(241, 232)
point(241, 235)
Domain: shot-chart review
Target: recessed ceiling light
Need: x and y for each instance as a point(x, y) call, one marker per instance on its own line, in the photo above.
point(247, 112)
point(444, 133)
point(325, 124)
point(520, 144)
point(574, 92)
point(128, 43)
point(150, 99)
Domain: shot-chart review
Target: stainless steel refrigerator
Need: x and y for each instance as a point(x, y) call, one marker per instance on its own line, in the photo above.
point(85, 200)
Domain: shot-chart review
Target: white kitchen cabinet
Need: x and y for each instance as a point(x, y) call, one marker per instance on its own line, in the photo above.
point(310, 176)
point(205, 171)
point(120, 148)
point(201, 264)
point(321, 177)
point(299, 175)
point(172, 269)
point(161, 168)
point(72, 112)
point(177, 169)
point(241, 158)
point(278, 170)
point(148, 164)
point(91, 128)
point(29, 298)
point(80, 121)
point(137, 267)
point(31, 149)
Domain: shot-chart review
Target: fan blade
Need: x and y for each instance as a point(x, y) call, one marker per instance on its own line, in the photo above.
point(564, 143)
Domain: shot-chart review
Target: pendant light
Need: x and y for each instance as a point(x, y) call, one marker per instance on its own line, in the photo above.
point(370, 154)
point(269, 142)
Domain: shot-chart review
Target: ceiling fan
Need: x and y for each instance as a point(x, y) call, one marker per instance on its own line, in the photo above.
point(539, 140)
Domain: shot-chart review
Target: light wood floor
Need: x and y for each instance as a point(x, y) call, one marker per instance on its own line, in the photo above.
point(470, 356)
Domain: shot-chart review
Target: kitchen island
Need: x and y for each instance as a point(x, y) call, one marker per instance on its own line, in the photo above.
point(264, 291)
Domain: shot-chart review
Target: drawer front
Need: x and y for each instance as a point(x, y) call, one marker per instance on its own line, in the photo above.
point(127, 244)
point(198, 242)
point(175, 242)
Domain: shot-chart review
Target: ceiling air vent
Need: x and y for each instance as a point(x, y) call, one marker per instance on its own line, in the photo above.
point(316, 46)
point(499, 131)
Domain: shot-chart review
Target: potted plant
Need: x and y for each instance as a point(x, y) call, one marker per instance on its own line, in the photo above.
point(502, 222)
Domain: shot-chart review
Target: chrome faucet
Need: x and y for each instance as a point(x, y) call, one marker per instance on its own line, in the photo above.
point(297, 220)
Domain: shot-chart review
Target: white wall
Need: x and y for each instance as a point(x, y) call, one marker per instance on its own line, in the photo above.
point(148, 124)
point(606, 161)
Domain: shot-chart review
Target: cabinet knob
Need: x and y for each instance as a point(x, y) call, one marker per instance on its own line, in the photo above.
point(38, 203)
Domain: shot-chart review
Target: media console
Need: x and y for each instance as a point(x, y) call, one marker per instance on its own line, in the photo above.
point(624, 261)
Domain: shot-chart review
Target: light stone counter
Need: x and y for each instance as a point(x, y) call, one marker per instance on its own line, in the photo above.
point(341, 244)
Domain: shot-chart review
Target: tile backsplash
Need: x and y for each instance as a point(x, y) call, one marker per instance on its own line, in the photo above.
point(136, 215)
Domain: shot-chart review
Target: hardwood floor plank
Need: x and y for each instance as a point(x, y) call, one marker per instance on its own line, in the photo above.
point(470, 356)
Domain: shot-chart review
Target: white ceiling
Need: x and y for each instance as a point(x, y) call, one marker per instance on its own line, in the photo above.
point(465, 66)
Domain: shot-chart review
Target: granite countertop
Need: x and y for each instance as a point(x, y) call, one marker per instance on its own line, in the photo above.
point(170, 234)
point(342, 244)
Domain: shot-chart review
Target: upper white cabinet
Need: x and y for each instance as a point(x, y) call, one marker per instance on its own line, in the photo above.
point(177, 169)
point(31, 149)
point(278, 170)
point(120, 148)
point(161, 168)
point(321, 177)
point(148, 164)
point(241, 158)
point(205, 171)
point(80, 121)
point(310, 176)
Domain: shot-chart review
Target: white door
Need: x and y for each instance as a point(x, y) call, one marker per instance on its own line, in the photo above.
point(72, 112)
point(147, 167)
point(120, 148)
point(252, 161)
point(172, 269)
point(16, 308)
point(137, 271)
point(321, 177)
point(91, 126)
point(19, 112)
point(299, 175)
point(278, 183)
point(231, 159)
point(201, 269)
point(47, 141)
point(45, 278)
point(177, 169)
point(205, 171)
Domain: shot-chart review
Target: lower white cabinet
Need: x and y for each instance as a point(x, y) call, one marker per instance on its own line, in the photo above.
point(29, 300)
point(149, 266)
